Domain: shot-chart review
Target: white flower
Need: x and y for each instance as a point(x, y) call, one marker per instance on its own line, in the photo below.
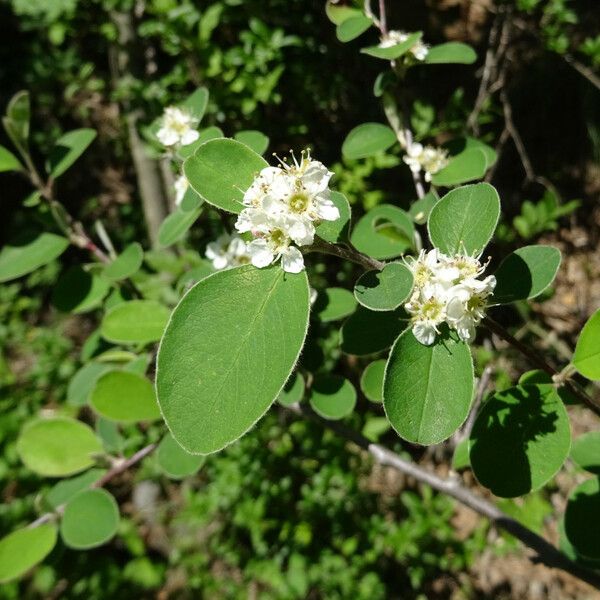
point(228, 251)
point(181, 186)
point(428, 159)
point(419, 50)
point(177, 128)
point(447, 289)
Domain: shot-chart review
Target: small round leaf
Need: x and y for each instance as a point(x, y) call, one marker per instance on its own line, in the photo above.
point(371, 381)
point(175, 461)
point(135, 322)
point(368, 139)
point(293, 390)
point(334, 303)
point(332, 397)
point(126, 264)
point(386, 289)
point(586, 358)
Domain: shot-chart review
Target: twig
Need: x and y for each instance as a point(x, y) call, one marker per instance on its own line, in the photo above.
point(382, 18)
point(538, 361)
point(546, 552)
point(117, 469)
point(583, 70)
point(346, 252)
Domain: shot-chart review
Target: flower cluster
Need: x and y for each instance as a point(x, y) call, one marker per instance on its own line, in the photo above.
point(418, 50)
point(428, 159)
point(282, 207)
point(447, 290)
point(178, 128)
point(227, 251)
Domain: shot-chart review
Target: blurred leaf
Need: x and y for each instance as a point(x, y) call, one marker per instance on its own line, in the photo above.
point(581, 515)
point(126, 264)
point(78, 291)
point(371, 381)
point(451, 52)
point(135, 322)
point(8, 161)
point(196, 103)
point(394, 52)
point(585, 451)
point(351, 28)
point(368, 139)
point(67, 149)
point(82, 383)
point(293, 390)
point(64, 490)
point(586, 358)
point(175, 461)
point(176, 225)
point(332, 397)
point(16, 121)
point(334, 303)
point(255, 140)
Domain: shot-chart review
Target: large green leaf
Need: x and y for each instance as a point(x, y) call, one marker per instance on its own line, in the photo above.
point(368, 139)
point(124, 397)
point(221, 170)
point(28, 252)
point(526, 273)
point(332, 396)
point(334, 303)
point(91, 518)
point(427, 390)
point(25, 548)
point(352, 28)
point(465, 219)
point(227, 352)
point(451, 52)
point(386, 231)
point(585, 451)
point(176, 225)
point(67, 149)
point(126, 264)
point(586, 358)
point(520, 440)
point(78, 291)
point(367, 331)
point(175, 461)
point(136, 321)
point(57, 446)
point(386, 289)
point(336, 231)
point(393, 52)
point(466, 166)
point(8, 161)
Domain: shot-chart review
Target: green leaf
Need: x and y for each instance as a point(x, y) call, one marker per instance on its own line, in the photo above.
point(352, 28)
point(386, 289)
point(581, 518)
point(451, 52)
point(293, 390)
point(459, 145)
point(124, 397)
point(64, 490)
point(586, 358)
point(210, 133)
point(368, 139)
point(228, 350)
point(81, 385)
point(371, 381)
point(190, 201)
point(16, 121)
point(585, 452)
point(375, 427)
point(175, 461)
point(221, 170)
point(126, 264)
point(67, 149)
point(91, 518)
point(23, 549)
point(464, 220)
point(526, 273)
point(393, 52)
point(336, 231)
point(57, 446)
point(196, 103)
point(8, 161)
point(367, 331)
point(386, 231)
point(420, 209)
point(427, 390)
point(176, 225)
point(460, 458)
point(466, 166)
point(338, 13)
point(135, 322)
point(333, 304)
point(28, 252)
point(530, 425)
point(332, 397)
point(78, 291)
point(255, 140)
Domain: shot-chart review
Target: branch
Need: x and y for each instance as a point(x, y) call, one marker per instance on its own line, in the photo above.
point(546, 552)
point(583, 70)
point(346, 252)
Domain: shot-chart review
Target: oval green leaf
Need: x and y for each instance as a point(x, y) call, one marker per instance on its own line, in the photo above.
point(333, 304)
point(227, 352)
point(386, 289)
point(586, 358)
point(58, 446)
point(393, 52)
point(64, 490)
point(91, 518)
point(175, 461)
point(78, 291)
point(371, 381)
point(135, 322)
point(67, 149)
point(451, 52)
point(210, 133)
point(586, 451)
point(427, 390)
point(530, 425)
point(176, 225)
point(255, 140)
point(196, 102)
point(25, 548)
point(124, 397)
point(82, 383)
point(466, 166)
point(8, 161)
point(332, 397)
point(28, 252)
point(126, 264)
point(526, 273)
point(352, 28)
point(221, 170)
point(465, 219)
point(368, 331)
point(293, 390)
point(368, 139)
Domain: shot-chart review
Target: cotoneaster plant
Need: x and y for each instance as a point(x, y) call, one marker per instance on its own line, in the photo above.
point(229, 329)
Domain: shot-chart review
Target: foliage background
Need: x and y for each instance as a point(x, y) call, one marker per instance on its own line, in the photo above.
point(288, 512)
